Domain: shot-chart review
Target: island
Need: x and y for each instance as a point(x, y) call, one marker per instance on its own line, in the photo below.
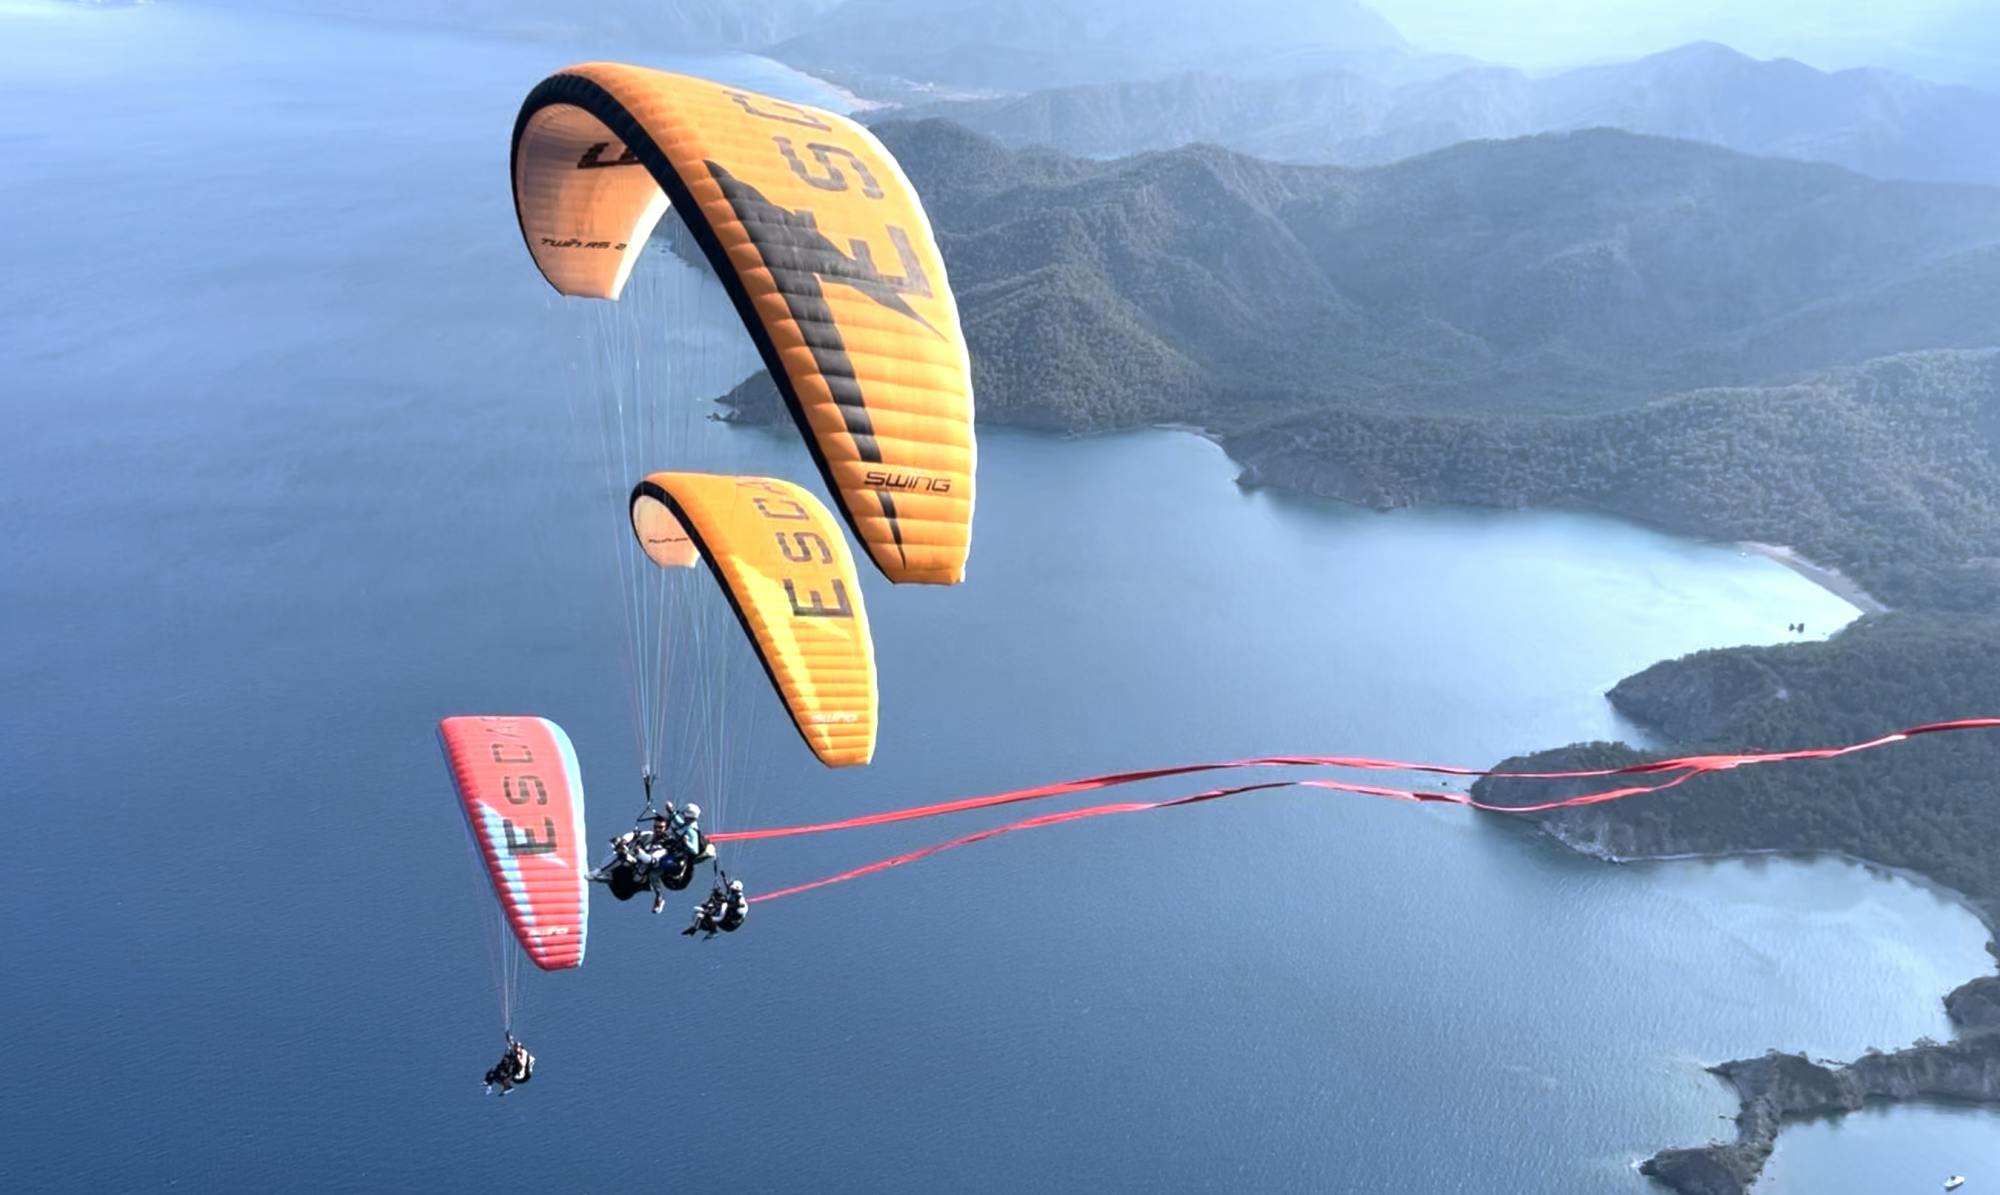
point(1781, 1087)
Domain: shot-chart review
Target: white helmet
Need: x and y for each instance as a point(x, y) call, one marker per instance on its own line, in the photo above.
point(691, 811)
point(736, 885)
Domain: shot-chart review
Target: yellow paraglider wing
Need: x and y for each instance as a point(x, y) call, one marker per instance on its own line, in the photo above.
point(826, 252)
point(781, 559)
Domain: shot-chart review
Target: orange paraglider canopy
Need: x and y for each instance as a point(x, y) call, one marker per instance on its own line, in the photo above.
point(780, 558)
point(821, 243)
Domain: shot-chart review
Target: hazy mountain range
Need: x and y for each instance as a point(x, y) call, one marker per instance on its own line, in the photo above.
point(1873, 121)
point(1021, 45)
point(648, 25)
point(1016, 45)
point(901, 46)
point(1330, 82)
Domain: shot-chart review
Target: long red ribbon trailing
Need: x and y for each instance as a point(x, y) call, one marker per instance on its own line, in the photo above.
point(1694, 763)
point(1688, 767)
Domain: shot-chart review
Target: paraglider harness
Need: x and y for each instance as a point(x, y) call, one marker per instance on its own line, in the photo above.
point(516, 1066)
point(626, 876)
point(724, 910)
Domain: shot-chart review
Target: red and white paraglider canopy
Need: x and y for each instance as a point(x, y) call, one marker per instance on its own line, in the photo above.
point(522, 794)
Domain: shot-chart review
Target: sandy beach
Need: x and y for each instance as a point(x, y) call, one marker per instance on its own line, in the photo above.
point(1830, 579)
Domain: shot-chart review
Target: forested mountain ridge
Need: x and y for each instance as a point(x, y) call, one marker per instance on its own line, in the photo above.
point(1568, 273)
point(1889, 471)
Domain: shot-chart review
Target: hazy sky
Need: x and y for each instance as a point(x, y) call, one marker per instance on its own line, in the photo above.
point(1958, 38)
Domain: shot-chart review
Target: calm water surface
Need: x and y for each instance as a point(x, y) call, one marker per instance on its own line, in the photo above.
point(294, 469)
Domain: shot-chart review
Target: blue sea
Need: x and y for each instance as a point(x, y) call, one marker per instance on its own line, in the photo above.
point(298, 461)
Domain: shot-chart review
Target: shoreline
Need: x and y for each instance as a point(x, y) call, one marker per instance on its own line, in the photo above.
point(1769, 1096)
point(1827, 577)
point(1990, 919)
point(856, 103)
point(1198, 431)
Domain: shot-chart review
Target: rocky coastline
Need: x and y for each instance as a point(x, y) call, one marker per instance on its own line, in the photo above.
point(1779, 1088)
